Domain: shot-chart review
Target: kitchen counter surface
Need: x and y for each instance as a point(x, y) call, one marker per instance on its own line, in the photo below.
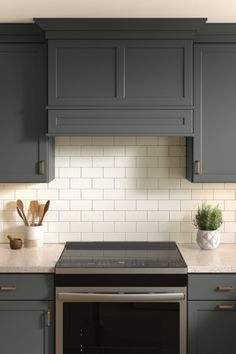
point(221, 260)
point(43, 260)
point(29, 260)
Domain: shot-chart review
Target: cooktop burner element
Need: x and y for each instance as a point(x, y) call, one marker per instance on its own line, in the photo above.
point(120, 257)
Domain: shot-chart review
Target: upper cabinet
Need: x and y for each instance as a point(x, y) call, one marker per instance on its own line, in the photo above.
point(26, 154)
point(120, 72)
point(211, 154)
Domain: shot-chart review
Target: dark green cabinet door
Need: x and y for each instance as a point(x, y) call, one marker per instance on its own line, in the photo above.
point(24, 327)
point(211, 327)
point(211, 155)
point(23, 116)
point(120, 72)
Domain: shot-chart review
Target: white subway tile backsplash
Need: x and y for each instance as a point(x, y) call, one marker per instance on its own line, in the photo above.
point(119, 188)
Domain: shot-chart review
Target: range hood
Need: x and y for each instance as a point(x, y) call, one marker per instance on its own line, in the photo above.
point(120, 76)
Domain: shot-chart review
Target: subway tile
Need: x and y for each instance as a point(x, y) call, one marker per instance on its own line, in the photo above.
point(114, 194)
point(123, 161)
point(69, 236)
point(136, 236)
point(125, 226)
point(69, 172)
point(147, 140)
point(169, 161)
point(59, 205)
point(103, 226)
point(21, 194)
point(136, 194)
point(81, 205)
point(92, 216)
point(181, 216)
point(202, 194)
point(181, 237)
point(169, 205)
point(92, 150)
point(147, 205)
point(133, 172)
point(224, 194)
point(48, 193)
point(180, 194)
point(158, 215)
point(81, 226)
point(103, 183)
point(158, 236)
point(147, 161)
point(117, 236)
point(177, 172)
point(107, 161)
point(125, 205)
point(169, 183)
point(166, 226)
point(69, 215)
point(59, 227)
point(92, 172)
point(158, 194)
point(102, 140)
point(62, 140)
point(158, 172)
point(103, 204)
point(92, 236)
point(81, 140)
point(169, 140)
point(157, 151)
point(80, 183)
point(92, 194)
point(230, 204)
point(148, 226)
point(62, 161)
point(125, 140)
point(136, 216)
point(79, 161)
point(114, 216)
point(69, 151)
point(114, 151)
point(148, 183)
point(115, 172)
point(59, 183)
point(177, 150)
point(125, 183)
point(230, 227)
point(136, 150)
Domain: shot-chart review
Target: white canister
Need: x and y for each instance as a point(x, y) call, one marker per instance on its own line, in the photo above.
point(33, 236)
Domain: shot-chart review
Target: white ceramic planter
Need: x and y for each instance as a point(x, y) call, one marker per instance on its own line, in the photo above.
point(208, 240)
point(33, 236)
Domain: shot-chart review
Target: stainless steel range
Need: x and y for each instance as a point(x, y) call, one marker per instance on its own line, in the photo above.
point(121, 297)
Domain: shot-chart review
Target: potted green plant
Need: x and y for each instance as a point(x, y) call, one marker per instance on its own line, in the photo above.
point(208, 220)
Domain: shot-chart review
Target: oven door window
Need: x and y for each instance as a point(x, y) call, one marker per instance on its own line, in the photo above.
point(115, 328)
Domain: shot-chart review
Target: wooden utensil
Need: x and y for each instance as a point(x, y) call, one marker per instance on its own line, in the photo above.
point(20, 205)
point(40, 210)
point(33, 210)
point(44, 212)
point(20, 214)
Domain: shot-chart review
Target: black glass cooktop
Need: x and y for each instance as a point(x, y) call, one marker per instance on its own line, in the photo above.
point(82, 256)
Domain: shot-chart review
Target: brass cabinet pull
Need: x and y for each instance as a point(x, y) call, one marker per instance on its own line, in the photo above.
point(49, 318)
point(226, 307)
point(225, 288)
point(42, 167)
point(7, 288)
point(197, 167)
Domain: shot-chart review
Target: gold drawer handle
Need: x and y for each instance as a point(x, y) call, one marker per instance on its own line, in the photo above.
point(225, 307)
point(49, 318)
point(225, 288)
point(197, 167)
point(7, 288)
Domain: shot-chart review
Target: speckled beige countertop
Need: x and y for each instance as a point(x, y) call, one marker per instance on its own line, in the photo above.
point(43, 260)
point(221, 260)
point(29, 260)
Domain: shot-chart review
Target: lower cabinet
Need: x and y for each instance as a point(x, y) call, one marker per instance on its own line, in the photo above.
point(26, 314)
point(26, 327)
point(212, 314)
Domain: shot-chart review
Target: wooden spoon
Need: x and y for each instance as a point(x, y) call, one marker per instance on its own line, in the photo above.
point(33, 210)
point(20, 205)
point(20, 214)
point(44, 212)
point(40, 210)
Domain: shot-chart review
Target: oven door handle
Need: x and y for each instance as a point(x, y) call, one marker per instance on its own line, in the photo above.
point(120, 297)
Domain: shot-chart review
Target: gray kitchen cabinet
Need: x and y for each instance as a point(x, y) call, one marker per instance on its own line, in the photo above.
point(26, 314)
point(26, 154)
point(120, 72)
point(211, 313)
point(210, 154)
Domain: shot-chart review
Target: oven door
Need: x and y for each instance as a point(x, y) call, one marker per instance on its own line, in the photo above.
point(124, 320)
